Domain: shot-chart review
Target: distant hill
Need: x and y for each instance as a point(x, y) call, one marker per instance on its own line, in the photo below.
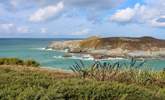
point(142, 43)
point(114, 46)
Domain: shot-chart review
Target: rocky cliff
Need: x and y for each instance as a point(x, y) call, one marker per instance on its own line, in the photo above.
point(114, 46)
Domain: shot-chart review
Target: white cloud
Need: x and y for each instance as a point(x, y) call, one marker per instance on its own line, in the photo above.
point(139, 13)
point(14, 2)
point(12, 28)
point(53, 8)
point(81, 32)
point(7, 27)
point(18, 5)
point(44, 30)
point(124, 15)
point(22, 29)
point(146, 14)
point(47, 13)
point(93, 4)
point(157, 23)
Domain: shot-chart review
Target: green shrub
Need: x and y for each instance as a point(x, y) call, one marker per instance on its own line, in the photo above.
point(29, 85)
point(106, 70)
point(99, 82)
point(31, 63)
point(16, 61)
point(120, 72)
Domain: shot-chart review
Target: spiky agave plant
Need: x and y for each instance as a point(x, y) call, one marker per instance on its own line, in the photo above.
point(80, 69)
point(106, 70)
point(103, 71)
point(134, 64)
point(138, 75)
point(98, 71)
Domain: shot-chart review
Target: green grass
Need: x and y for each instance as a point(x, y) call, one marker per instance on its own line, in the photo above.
point(102, 81)
point(125, 73)
point(28, 85)
point(16, 61)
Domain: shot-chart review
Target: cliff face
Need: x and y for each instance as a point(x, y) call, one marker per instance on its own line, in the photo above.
point(112, 45)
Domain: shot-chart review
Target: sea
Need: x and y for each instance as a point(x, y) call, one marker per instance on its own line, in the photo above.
point(35, 48)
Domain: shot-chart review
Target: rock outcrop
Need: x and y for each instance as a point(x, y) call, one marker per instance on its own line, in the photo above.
point(114, 46)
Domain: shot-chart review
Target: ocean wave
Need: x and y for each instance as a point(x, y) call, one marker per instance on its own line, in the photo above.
point(107, 59)
point(87, 57)
point(58, 57)
point(73, 57)
point(38, 48)
point(44, 49)
point(83, 58)
point(116, 58)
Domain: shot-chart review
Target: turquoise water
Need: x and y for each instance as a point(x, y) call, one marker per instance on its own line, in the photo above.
point(33, 49)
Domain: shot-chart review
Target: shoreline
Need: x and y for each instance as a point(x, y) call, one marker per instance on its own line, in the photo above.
point(112, 47)
point(100, 57)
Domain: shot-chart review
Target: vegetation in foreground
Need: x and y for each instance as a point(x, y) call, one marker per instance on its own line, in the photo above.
point(95, 84)
point(16, 61)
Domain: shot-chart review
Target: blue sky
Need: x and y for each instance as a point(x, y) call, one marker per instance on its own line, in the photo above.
point(81, 18)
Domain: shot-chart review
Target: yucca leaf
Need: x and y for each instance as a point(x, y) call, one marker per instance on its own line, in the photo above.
point(82, 63)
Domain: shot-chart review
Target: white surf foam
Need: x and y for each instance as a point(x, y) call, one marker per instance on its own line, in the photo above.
point(74, 57)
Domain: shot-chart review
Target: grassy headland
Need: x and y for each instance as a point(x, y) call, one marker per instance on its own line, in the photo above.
point(98, 82)
point(126, 47)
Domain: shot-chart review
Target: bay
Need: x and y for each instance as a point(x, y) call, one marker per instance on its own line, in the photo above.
point(30, 48)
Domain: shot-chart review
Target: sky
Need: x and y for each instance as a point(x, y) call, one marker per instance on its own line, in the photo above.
point(81, 18)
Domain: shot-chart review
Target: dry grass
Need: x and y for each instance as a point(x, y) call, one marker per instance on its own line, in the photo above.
point(31, 83)
point(51, 72)
point(143, 43)
point(123, 73)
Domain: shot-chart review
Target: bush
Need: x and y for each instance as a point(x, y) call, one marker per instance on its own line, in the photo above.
point(16, 61)
point(104, 71)
point(31, 63)
point(120, 72)
point(100, 82)
point(29, 85)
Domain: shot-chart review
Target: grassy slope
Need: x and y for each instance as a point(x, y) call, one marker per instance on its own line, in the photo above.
point(35, 83)
point(143, 43)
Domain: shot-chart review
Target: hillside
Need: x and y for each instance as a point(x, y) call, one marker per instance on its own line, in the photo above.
point(143, 43)
point(29, 83)
point(113, 45)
